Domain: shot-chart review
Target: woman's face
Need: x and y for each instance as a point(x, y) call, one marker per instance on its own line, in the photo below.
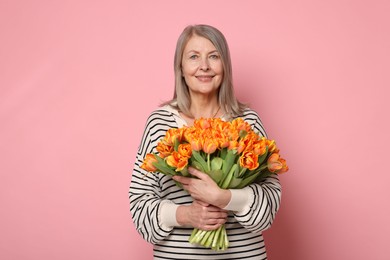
point(202, 67)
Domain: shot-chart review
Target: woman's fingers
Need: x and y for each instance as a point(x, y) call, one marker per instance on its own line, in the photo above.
point(197, 173)
point(204, 204)
point(183, 180)
point(203, 188)
point(206, 217)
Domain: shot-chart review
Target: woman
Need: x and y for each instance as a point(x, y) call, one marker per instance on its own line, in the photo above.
point(165, 214)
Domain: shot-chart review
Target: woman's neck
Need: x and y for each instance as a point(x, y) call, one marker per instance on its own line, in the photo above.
point(204, 108)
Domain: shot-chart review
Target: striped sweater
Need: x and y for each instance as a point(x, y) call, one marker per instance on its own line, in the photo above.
point(150, 193)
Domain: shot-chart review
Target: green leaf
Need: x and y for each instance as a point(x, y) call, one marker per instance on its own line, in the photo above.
point(242, 171)
point(245, 182)
point(185, 172)
point(229, 177)
point(263, 157)
point(162, 166)
point(264, 174)
point(216, 163)
point(176, 144)
point(223, 153)
point(216, 175)
point(251, 172)
point(229, 161)
point(198, 166)
point(197, 157)
point(235, 182)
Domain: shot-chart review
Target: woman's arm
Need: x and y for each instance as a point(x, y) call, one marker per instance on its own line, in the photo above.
point(254, 206)
point(262, 205)
point(153, 214)
point(146, 203)
point(262, 199)
point(201, 215)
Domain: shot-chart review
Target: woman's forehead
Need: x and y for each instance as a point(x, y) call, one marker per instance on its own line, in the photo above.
point(198, 44)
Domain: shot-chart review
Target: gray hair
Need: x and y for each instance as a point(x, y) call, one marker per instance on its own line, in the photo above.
point(226, 98)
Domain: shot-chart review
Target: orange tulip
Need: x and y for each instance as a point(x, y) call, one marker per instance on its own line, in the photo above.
point(148, 163)
point(273, 163)
point(183, 162)
point(202, 123)
point(169, 137)
point(189, 133)
point(181, 132)
point(284, 166)
point(223, 141)
point(210, 145)
point(271, 146)
point(185, 150)
point(240, 124)
point(196, 144)
point(221, 138)
point(219, 125)
point(241, 147)
point(246, 143)
point(174, 134)
point(194, 139)
point(164, 149)
point(249, 160)
point(233, 135)
point(233, 145)
point(177, 161)
point(259, 147)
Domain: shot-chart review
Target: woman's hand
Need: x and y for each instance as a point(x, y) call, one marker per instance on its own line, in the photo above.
point(201, 215)
point(203, 188)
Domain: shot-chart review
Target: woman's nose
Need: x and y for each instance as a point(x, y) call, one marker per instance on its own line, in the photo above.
point(204, 65)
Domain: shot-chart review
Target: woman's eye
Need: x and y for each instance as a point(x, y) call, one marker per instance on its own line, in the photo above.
point(193, 57)
point(214, 56)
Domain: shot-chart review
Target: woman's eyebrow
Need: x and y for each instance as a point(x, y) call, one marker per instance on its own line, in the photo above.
point(199, 51)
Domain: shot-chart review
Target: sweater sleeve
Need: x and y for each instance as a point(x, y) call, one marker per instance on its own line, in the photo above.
point(146, 204)
point(263, 199)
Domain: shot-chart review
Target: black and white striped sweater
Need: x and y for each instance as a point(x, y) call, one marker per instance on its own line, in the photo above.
point(150, 193)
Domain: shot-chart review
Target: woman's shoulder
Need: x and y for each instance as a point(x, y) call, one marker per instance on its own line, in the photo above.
point(164, 110)
point(163, 115)
point(252, 117)
point(249, 113)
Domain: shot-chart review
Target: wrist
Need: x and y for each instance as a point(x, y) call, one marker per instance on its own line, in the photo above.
point(181, 215)
point(223, 198)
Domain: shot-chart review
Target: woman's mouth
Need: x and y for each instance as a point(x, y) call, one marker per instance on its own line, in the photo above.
point(204, 78)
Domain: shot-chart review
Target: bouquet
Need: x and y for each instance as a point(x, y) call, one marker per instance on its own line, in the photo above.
point(231, 153)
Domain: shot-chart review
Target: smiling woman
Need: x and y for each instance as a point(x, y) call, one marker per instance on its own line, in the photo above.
point(163, 212)
point(204, 41)
point(202, 68)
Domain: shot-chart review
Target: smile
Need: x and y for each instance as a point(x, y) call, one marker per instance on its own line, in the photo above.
point(204, 78)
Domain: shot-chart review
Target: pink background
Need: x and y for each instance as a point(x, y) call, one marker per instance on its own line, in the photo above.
point(79, 78)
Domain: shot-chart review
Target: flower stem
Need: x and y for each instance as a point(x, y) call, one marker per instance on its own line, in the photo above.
point(208, 162)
